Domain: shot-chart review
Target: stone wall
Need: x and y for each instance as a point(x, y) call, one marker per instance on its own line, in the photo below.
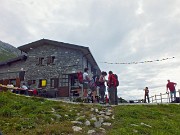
point(66, 61)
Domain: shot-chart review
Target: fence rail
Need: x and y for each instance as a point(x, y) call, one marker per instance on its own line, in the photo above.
point(163, 98)
point(160, 98)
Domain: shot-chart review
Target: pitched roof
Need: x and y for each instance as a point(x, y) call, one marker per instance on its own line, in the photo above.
point(10, 61)
point(85, 50)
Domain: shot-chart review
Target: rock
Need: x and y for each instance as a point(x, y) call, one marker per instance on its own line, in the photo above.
point(81, 117)
point(94, 118)
point(113, 117)
point(146, 125)
point(108, 113)
point(101, 112)
point(53, 110)
point(107, 124)
point(103, 130)
point(58, 116)
point(91, 131)
point(106, 117)
point(87, 123)
point(135, 131)
point(97, 124)
point(101, 119)
point(134, 125)
point(76, 129)
point(92, 109)
point(96, 110)
point(76, 122)
point(102, 115)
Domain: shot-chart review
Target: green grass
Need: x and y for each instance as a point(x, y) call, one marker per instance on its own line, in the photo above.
point(146, 120)
point(6, 55)
point(20, 115)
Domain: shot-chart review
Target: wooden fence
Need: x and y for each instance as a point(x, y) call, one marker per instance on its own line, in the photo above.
point(163, 98)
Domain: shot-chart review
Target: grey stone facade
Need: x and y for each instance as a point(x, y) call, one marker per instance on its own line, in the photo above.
point(47, 62)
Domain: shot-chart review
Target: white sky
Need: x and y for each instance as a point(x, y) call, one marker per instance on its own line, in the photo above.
point(114, 30)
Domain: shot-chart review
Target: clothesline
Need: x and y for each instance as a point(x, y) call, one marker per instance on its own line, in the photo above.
point(141, 62)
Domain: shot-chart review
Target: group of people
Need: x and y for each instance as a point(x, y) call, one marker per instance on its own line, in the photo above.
point(14, 89)
point(169, 86)
point(96, 86)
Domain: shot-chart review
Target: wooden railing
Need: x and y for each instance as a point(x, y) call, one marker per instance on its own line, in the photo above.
point(163, 98)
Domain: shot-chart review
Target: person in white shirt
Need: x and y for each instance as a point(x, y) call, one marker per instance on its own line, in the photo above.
point(86, 80)
point(25, 88)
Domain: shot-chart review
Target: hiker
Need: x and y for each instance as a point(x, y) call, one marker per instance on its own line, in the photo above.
point(171, 86)
point(24, 87)
point(97, 83)
point(146, 94)
point(112, 88)
point(102, 87)
point(10, 87)
point(86, 81)
point(94, 86)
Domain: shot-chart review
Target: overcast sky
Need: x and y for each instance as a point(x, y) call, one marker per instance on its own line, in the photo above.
point(114, 30)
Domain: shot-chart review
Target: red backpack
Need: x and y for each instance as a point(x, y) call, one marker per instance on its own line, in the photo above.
point(80, 77)
point(114, 81)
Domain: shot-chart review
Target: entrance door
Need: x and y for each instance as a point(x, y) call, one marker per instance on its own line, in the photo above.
point(63, 90)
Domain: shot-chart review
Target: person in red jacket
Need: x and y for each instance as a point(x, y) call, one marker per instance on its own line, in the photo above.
point(112, 89)
point(171, 86)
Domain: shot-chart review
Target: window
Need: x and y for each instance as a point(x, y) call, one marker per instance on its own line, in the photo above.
point(50, 59)
point(54, 82)
point(41, 59)
point(64, 81)
point(30, 82)
point(42, 83)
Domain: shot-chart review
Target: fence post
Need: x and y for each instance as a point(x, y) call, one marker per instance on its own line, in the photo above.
point(161, 97)
point(152, 99)
point(168, 96)
point(155, 99)
point(179, 92)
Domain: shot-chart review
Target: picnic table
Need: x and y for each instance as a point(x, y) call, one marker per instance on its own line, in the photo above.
point(18, 90)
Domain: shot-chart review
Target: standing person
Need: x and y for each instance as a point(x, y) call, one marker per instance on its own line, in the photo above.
point(171, 86)
point(25, 88)
point(102, 87)
point(112, 87)
point(86, 81)
point(146, 94)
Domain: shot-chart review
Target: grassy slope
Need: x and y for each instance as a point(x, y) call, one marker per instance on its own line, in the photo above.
point(21, 115)
point(6, 55)
point(147, 119)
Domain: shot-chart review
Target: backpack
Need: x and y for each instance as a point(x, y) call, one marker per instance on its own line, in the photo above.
point(92, 85)
point(80, 77)
point(96, 79)
point(116, 79)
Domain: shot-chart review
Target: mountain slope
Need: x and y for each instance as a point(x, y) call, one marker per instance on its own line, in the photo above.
point(8, 51)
